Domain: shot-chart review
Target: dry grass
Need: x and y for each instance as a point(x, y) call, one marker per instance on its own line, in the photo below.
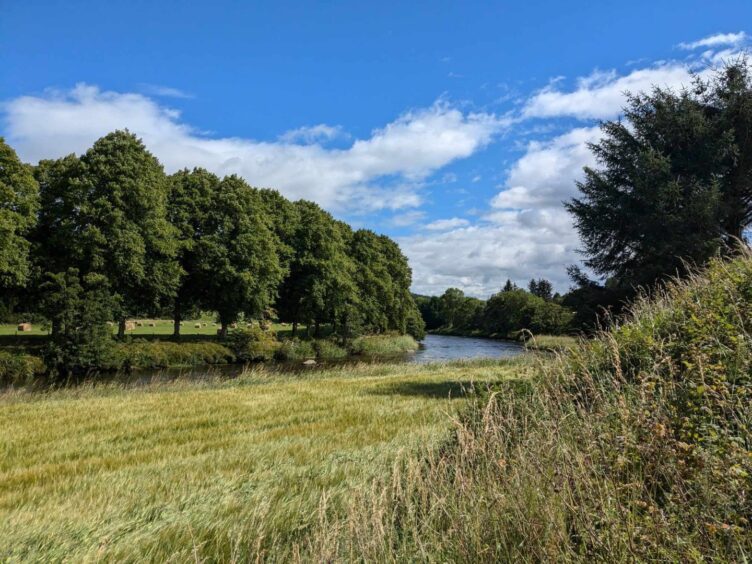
point(216, 470)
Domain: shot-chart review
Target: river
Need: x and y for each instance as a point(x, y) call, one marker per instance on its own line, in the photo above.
point(441, 348)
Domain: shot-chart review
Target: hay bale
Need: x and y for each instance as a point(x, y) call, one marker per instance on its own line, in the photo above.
point(130, 325)
point(197, 326)
point(152, 324)
point(24, 327)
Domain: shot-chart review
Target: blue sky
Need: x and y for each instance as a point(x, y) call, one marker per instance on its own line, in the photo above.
point(456, 127)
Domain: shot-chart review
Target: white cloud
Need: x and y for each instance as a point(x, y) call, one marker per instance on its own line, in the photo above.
point(446, 224)
point(479, 258)
point(717, 40)
point(383, 171)
point(312, 134)
point(600, 95)
point(545, 175)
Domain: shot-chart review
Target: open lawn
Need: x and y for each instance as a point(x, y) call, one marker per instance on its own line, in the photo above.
point(217, 470)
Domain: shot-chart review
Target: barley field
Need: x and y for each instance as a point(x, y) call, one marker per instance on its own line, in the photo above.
point(214, 470)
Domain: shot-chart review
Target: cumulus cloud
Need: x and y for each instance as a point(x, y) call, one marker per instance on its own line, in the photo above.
point(383, 171)
point(479, 258)
point(600, 95)
point(545, 175)
point(446, 224)
point(717, 40)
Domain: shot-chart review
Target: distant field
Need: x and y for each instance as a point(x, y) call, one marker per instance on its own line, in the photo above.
point(206, 326)
point(216, 471)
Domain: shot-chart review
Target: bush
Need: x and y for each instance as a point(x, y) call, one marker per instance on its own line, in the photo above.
point(162, 354)
point(252, 343)
point(295, 349)
point(328, 350)
point(19, 369)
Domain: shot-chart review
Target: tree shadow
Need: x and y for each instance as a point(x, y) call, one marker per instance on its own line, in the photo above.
point(449, 389)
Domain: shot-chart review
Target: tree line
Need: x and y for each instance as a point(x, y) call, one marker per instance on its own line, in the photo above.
point(109, 236)
point(537, 309)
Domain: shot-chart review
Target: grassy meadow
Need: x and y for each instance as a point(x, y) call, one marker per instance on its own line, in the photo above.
point(205, 326)
point(217, 470)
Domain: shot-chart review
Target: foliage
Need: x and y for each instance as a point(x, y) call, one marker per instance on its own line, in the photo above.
point(239, 251)
point(503, 315)
point(19, 201)
point(295, 349)
point(541, 288)
point(252, 343)
point(191, 197)
point(19, 369)
point(139, 353)
point(319, 286)
point(673, 187)
point(78, 309)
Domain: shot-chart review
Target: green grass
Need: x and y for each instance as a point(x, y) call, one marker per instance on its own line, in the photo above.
point(384, 345)
point(207, 326)
point(218, 471)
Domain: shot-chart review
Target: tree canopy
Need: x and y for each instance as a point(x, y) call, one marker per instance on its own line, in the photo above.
point(674, 181)
point(19, 201)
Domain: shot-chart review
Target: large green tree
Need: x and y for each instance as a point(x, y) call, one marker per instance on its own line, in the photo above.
point(19, 200)
point(674, 181)
point(238, 253)
point(191, 199)
point(109, 212)
point(319, 286)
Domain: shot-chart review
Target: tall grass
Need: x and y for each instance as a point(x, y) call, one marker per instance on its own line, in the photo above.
point(216, 471)
point(636, 446)
point(384, 345)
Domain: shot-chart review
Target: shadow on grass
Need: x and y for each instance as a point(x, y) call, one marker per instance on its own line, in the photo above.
point(438, 390)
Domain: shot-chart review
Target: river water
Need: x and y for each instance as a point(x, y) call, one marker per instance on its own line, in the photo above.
point(441, 348)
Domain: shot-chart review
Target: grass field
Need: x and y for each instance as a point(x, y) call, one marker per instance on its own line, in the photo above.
point(145, 327)
point(219, 470)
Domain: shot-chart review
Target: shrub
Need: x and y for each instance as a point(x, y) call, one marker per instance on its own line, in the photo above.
point(19, 369)
point(161, 354)
point(295, 349)
point(328, 350)
point(252, 343)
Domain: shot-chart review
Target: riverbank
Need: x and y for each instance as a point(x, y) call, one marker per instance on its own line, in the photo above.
point(21, 356)
point(218, 470)
point(547, 343)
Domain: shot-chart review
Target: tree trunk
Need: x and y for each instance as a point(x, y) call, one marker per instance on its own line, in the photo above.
point(177, 319)
point(316, 329)
point(223, 329)
point(294, 328)
point(121, 328)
